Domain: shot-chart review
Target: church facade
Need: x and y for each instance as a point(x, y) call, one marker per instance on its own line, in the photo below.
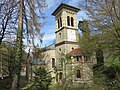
point(65, 60)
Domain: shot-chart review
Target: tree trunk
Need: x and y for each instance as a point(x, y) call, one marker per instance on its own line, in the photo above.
point(18, 57)
point(27, 70)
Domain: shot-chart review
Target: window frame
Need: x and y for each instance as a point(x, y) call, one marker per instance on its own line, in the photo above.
point(72, 21)
point(53, 62)
point(68, 20)
point(58, 23)
point(78, 73)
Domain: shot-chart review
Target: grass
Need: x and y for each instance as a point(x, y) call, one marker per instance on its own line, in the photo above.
point(57, 87)
point(5, 84)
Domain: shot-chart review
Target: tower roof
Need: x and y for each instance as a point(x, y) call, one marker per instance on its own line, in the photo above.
point(77, 51)
point(62, 5)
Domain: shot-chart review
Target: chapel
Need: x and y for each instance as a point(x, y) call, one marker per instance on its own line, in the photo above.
point(64, 59)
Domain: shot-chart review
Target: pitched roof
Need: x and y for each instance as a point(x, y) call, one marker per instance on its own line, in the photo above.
point(49, 47)
point(38, 61)
point(77, 51)
point(62, 5)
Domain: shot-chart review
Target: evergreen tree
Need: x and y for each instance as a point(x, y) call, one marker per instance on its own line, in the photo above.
point(41, 81)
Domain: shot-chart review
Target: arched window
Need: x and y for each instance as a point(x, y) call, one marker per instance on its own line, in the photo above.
point(72, 21)
point(57, 77)
point(60, 76)
point(68, 20)
point(78, 73)
point(53, 62)
point(60, 22)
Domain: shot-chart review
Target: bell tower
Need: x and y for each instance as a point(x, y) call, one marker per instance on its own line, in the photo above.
point(66, 29)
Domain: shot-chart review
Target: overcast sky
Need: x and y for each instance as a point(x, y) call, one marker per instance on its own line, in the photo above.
point(49, 26)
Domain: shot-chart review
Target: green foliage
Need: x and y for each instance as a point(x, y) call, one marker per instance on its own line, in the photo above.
point(112, 72)
point(85, 39)
point(41, 81)
point(105, 21)
point(108, 75)
point(7, 57)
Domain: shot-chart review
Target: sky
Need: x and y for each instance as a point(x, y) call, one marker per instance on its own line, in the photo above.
point(49, 22)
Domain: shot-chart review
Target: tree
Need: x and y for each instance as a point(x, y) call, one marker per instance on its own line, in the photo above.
point(41, 81)
point(85, 37)
point(7, 55)
point(8, 18)
point(37, 53)
point(19, 45)
point(33, 28)
point(105, 21)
